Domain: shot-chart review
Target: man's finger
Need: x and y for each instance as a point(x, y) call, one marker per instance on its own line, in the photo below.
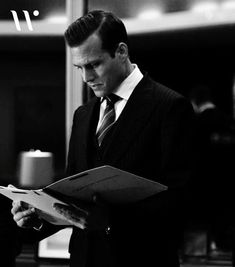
point(24, 222)
point(25, 213)
point(16, 207)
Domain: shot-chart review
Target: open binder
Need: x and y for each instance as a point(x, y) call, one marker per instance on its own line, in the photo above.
point(113, 186)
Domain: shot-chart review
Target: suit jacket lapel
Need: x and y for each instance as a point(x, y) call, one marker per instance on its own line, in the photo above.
point(88, 120)
point(134, 116)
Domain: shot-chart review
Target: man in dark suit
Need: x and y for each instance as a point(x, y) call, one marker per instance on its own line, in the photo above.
point(146, 131)
point(213, 132)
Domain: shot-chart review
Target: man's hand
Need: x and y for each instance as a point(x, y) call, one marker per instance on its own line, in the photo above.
point(25, 215)
point(91, 216)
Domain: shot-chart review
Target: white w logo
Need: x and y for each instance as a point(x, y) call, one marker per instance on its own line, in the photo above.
point(27, 17)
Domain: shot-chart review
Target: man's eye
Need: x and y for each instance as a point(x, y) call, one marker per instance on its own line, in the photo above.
point(95, 65)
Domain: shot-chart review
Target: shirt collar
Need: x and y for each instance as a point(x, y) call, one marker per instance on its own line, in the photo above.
point(127, 86)
point(125, 89)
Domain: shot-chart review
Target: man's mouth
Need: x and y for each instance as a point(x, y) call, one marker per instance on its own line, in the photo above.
point(94, 85)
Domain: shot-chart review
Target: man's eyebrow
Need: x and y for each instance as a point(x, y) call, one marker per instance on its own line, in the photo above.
point(88, 63)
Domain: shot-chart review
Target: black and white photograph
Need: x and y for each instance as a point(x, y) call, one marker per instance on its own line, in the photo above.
point(117, 140)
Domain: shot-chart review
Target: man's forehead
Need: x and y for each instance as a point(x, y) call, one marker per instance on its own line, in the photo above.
point(89, 51)
point(82, 58)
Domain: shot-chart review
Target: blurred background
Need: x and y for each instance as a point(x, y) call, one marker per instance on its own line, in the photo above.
point(184, 44)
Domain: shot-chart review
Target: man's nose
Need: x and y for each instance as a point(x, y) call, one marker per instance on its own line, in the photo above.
point(88, 75)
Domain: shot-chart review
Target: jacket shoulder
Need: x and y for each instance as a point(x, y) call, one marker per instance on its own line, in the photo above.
point(163, 95)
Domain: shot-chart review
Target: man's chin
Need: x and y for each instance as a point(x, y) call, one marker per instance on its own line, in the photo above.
point(99, 93)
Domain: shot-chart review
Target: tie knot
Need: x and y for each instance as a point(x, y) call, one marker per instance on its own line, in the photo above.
point(112, 99)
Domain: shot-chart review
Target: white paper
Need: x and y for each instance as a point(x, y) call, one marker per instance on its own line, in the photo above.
point(38, 199)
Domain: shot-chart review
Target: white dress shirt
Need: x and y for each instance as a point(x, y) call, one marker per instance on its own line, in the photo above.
point(124, 90)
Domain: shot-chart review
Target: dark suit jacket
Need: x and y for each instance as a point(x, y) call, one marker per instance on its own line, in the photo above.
point(151, 138)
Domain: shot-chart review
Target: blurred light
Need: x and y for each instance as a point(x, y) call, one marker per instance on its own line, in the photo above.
point(204, 7)
point(150, 14)
point(57, 19)
point(229, 4)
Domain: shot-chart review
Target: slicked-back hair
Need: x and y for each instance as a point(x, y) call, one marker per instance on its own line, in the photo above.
point(109, 28)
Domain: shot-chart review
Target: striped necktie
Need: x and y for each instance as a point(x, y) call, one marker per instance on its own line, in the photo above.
point(108, 118)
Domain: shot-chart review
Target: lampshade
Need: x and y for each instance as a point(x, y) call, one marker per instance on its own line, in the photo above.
point(35, 168)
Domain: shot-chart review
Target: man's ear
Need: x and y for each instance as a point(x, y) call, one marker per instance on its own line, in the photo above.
point(122, 51)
